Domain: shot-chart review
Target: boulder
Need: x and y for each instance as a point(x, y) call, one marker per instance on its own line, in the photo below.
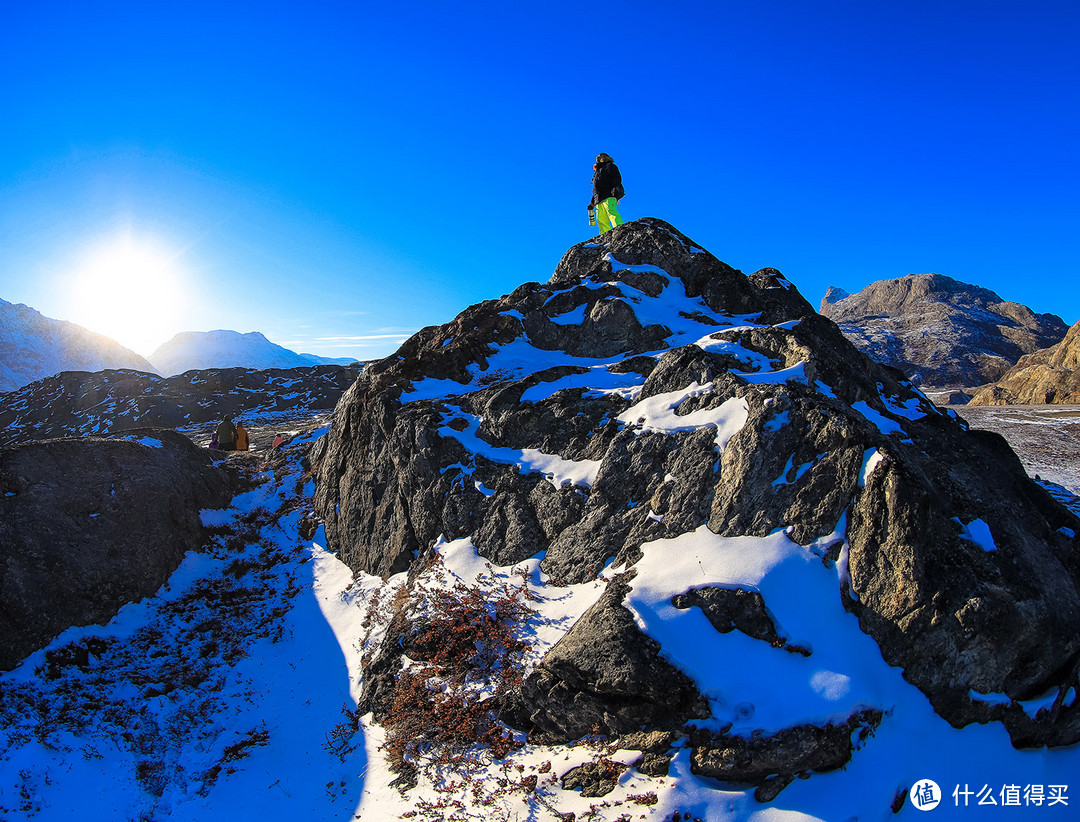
point(88, 525)
point(757, 758)
point(606, 675)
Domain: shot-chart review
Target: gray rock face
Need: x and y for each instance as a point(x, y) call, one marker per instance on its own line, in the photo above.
point(1046, 377)
point(730, 609)
point(791, 751)
point(606, 674)
point(960, 616)
point(552, 420)
point(79, 403)
point(938, 331)
point(381, 471)
point(89, 525)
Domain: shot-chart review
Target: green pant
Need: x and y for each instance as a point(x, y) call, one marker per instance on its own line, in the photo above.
point(607, 215)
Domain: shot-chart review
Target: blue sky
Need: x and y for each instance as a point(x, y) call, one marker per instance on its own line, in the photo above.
point(338, 175)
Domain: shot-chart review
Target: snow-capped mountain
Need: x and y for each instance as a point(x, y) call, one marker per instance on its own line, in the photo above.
point(230, 349)
point(33, 346)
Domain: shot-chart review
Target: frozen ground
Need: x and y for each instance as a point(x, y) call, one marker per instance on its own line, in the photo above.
point(1045, 437)
point(264, 428)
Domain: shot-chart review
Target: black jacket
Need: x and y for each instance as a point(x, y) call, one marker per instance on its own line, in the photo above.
point(606, 179)
point(226, 435)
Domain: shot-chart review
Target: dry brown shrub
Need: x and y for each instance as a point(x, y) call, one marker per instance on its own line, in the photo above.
point(468, 651)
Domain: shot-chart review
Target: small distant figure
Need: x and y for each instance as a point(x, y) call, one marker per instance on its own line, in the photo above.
point(279, 440)
point(213, 442)
point(607, 190)
point(226, 435)
point(241, 437)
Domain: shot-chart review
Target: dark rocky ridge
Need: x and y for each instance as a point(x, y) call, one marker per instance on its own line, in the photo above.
point(1050, 376)
point(78, 403)
point(939, 331)
point(89, 525)
point(394, 474)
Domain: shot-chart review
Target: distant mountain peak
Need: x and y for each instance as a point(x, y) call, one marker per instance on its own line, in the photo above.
point(940, 331)
point(33, 346)
point(833, 294)
point(223, 348)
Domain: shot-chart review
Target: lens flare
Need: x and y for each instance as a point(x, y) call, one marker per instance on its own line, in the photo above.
point(131, 290)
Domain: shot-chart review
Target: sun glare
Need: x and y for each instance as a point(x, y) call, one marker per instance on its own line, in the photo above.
point(129, 290)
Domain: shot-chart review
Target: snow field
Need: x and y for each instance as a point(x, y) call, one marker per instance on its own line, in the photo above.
point(277, 702)
point(658, 414)
point(210, 700)
point(751, 685)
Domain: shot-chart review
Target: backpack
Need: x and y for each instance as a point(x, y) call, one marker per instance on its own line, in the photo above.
point(617, 191)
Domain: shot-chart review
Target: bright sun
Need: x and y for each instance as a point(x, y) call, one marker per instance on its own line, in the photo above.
point(130, 290)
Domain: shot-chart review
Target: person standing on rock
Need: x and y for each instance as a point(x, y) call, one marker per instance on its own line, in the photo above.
point(226, 434)
point(607, 189)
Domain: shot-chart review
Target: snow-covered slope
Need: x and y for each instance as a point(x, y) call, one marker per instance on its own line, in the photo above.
point(230, 349)
point(33, 346)
point(211, 700)
point(229, 694)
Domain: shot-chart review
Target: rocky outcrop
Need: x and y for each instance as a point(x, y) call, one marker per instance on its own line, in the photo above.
point(89, 525)
point(939, 331)
point(79, 403)
point(605, 673)
point(730, 609)
point(833, 294)
point(648, 392)
point(763, 757)
point(1050, 376)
